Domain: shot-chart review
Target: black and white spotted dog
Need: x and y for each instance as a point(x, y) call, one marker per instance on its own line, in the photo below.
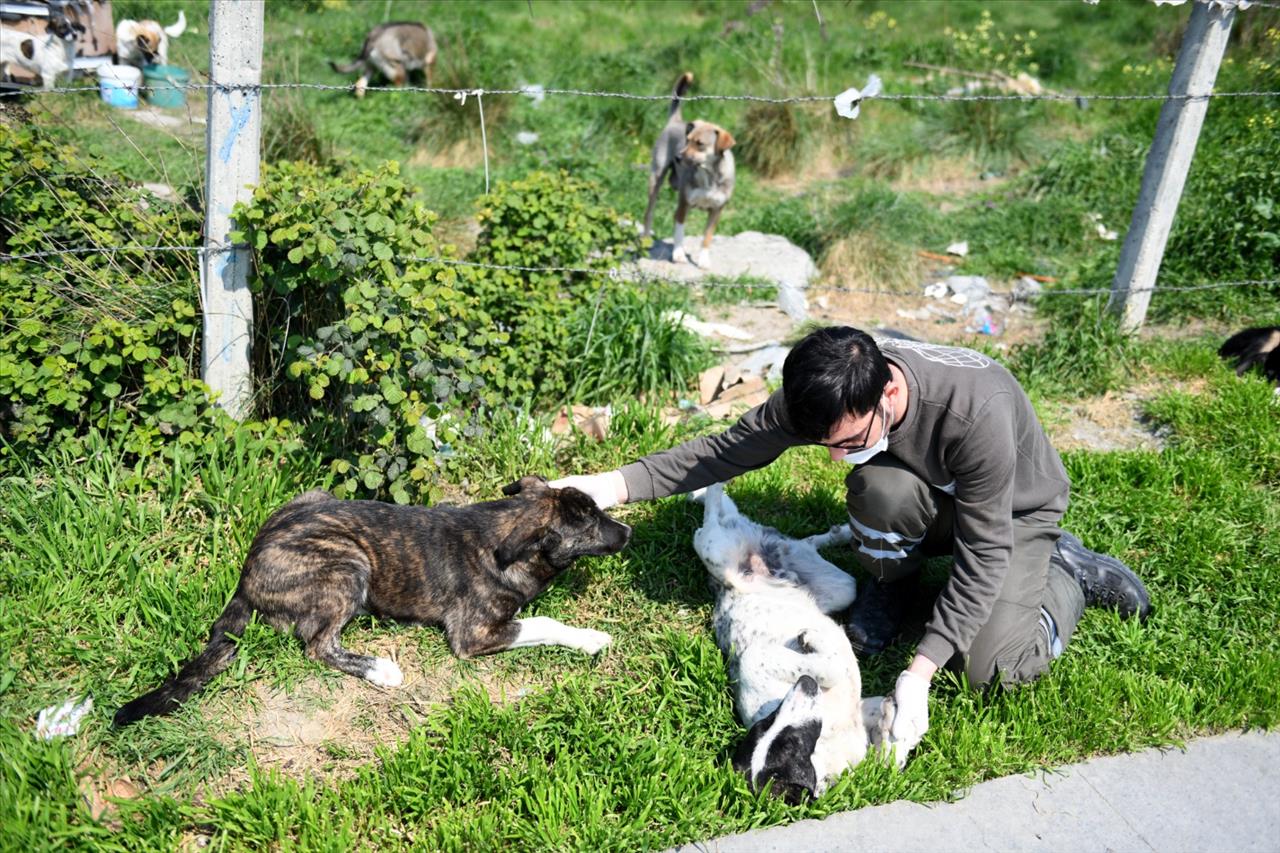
point(797, 680)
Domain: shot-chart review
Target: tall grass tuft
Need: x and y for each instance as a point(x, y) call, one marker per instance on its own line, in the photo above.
point(995, 133)
point(630, 345)
point(290, 132)
point(770, 142)
point(448, 120)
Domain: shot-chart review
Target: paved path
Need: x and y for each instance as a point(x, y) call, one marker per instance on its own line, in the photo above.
point(1219, 794)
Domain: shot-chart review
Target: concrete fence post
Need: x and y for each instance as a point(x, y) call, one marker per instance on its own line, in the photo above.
point(231, 173)
point(1169, 159)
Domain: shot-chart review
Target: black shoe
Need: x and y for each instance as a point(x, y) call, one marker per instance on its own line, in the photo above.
point(1106, 581)
point(875, 618)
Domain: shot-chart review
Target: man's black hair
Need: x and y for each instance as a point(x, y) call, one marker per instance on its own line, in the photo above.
point(832, 372)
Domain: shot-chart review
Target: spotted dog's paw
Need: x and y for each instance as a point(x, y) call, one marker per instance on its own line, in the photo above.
point(591, 641)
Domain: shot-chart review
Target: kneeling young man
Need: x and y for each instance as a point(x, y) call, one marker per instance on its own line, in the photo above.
point(949, 458)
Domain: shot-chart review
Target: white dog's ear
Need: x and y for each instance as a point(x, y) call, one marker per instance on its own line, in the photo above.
point(724, 141)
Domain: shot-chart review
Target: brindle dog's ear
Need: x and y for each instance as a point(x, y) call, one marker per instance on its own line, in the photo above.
point(529, 486)
point(519, 545)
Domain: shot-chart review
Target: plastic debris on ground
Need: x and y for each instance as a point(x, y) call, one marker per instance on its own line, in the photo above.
point(62, 720)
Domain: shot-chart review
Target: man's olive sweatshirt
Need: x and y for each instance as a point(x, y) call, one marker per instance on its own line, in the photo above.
point(969, 431)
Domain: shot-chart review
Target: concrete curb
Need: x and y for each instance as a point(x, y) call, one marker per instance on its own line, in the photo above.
point(1220, 793)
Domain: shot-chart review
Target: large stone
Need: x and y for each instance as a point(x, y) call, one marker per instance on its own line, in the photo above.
point(768, 257)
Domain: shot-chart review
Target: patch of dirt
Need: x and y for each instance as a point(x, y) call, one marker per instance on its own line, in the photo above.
point(463, 154)
point(328, 729)
point(946, 176)
point(765, 321)
point(1113, 421)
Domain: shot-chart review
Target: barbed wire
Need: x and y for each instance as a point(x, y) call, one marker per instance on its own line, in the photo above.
point(631, 271)
point(633, 96)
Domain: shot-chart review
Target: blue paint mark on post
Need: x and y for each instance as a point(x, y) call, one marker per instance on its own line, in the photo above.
point(239, 118)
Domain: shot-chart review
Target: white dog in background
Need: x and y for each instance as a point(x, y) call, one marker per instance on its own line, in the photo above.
point(48, 55)
point(797, 680)
point(140, 43)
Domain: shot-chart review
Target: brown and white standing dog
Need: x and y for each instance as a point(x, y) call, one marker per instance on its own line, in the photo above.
point(319, 561)
point(146, 42)
point(697, 155)
point(395, 49)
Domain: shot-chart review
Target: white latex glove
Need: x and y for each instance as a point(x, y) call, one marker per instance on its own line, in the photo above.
point(606, 489)
point(911, 720)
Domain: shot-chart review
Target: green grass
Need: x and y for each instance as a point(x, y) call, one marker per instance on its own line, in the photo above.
point(108, 585)
point(110, 575)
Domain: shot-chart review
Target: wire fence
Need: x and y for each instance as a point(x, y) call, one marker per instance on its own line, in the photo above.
point(631, 270)
point(529, 92)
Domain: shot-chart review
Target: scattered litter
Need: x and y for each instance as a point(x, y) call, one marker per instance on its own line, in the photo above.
point(937, 290)
point(792, 301)
point(971, 287)
point(62, 720)
point(823, 302)
point(849, 102)
point(526, 137)
point(1027, 288)
point(915, 313)
point(934, 256)
point(1103, 231)
point(766, 363)
point(750, 392)
point(986, 326)
point(592, 421)
point(709, 383)
point(1024, 84)
point(535, 92)
point(738, 349)
point(162, 191)
point(698, 327)
point(960, 249)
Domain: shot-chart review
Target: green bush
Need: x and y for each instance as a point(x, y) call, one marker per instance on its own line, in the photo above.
point(94, 340)
point(543, 220)
point(380, 355)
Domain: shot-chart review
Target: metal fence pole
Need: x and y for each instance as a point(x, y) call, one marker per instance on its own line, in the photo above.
point(1169, 159)
point(231, 172)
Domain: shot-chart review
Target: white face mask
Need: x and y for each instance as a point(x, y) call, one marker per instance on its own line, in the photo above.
point(857, 457)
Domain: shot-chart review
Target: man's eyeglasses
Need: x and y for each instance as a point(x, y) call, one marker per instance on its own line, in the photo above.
point(850, 446)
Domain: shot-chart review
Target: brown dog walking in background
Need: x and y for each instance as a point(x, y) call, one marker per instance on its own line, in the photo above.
point(395, 49)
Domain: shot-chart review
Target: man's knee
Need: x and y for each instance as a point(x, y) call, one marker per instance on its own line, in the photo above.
point(891, 511)
point(982, 674)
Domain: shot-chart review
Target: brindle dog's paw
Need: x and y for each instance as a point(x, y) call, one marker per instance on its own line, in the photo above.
point(385, 673)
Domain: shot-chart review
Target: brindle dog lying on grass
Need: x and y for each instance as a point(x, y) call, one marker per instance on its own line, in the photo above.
point(319, 561)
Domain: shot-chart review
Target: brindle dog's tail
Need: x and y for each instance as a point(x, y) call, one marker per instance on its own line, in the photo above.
point(682, 85)
point(197, 672)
